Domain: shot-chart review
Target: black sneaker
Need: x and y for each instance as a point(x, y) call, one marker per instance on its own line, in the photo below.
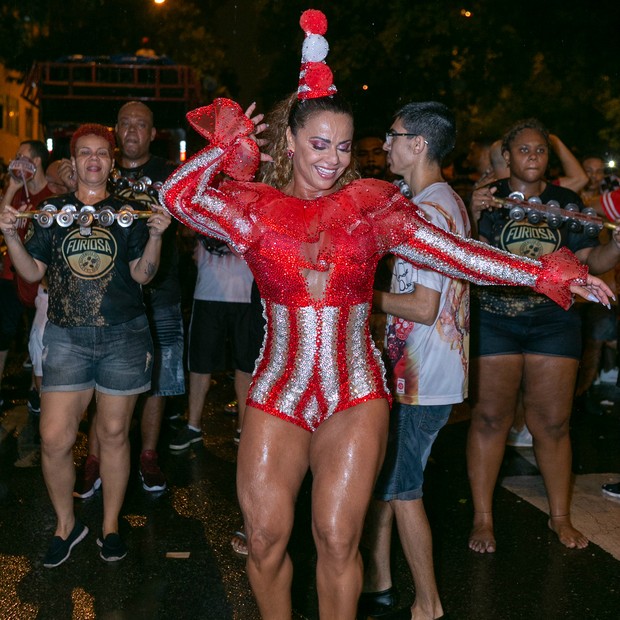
point(60, 550)
point(113, 548)
point(382, 603)
point(185, 437)
point(613, 490)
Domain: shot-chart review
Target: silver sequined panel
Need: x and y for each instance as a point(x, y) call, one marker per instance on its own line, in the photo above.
point(334, 364)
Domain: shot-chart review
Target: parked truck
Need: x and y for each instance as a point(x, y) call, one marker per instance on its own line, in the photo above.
point(85, 89)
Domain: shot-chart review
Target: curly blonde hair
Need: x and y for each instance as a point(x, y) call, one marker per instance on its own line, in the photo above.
point(293, 113)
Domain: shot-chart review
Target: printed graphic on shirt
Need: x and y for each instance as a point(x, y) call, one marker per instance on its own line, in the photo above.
point(531, 240)
point(91, 257)
point(428, 364)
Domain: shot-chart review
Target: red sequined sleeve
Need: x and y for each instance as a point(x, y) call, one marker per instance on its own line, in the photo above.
point(409, 235)
point(189, 193)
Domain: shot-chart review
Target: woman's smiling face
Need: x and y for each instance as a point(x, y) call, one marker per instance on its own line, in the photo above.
point(93, 159)
point(321, 153)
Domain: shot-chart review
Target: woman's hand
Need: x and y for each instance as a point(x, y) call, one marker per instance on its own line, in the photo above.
point(482, 199)
point(594, 290)
point(8, 222)
point(259, 127)
point(158, 222)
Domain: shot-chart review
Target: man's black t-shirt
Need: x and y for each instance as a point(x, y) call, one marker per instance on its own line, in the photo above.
point(164, 289)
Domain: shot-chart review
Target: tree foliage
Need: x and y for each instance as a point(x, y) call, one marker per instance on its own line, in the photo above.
point(507, 60)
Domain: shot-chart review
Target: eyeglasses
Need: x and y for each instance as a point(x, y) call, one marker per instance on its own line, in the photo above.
point(391, 134)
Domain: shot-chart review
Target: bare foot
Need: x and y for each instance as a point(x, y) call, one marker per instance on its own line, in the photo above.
point(481, 537)
point(239, 544)
point(568, 535)
point(417, 613)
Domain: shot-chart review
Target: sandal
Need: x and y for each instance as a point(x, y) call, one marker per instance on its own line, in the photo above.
point(239, 544)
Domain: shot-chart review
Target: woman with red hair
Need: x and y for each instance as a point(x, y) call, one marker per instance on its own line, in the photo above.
point(97, 340)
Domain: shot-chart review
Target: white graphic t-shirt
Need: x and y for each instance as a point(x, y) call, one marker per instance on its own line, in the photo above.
point(428, 364)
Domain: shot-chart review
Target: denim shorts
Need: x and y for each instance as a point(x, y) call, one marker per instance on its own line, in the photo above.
point(548, 330)
point(115, 359)
point(413, 429)
point(166, 324)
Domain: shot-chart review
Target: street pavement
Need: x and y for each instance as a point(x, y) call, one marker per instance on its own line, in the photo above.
point(530, 576)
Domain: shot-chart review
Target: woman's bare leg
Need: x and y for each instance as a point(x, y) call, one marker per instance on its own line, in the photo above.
point(346, 454)
point(112, 429)
point(272, 463)
point(549, 383)
point(496, 380)
point(61, 413)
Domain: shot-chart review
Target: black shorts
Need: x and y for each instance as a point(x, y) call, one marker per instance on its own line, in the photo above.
point(546, 330)
point(219, 330)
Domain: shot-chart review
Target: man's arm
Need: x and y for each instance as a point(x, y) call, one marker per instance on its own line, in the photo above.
point(601, 258)
point(421, 306)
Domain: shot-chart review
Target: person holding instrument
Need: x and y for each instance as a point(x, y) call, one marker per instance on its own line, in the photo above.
point(97, 338)
point(525, 342)
point(312, 235)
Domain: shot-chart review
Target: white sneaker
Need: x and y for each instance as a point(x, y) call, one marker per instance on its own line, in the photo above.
point(609, 376)
point(519, 439)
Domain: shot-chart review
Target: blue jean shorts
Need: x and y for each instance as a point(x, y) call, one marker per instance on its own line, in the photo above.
point(166, 324)
point(115, 359)
point(413, 429)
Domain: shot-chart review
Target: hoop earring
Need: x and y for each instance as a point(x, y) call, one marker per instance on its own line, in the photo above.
point(290, 153)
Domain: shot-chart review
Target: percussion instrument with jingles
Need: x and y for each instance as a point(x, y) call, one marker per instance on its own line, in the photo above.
point(143, 185)
point(85, 218)
point(534, 211)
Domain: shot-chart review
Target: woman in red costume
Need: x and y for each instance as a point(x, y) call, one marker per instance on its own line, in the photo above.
point(312, 236)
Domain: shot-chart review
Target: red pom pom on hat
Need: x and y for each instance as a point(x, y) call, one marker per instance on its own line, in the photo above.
point(318, 76)
point(313, 22)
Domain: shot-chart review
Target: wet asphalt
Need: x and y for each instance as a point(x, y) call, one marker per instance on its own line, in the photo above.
point(531, 576)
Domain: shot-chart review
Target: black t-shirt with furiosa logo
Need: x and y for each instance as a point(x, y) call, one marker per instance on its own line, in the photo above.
point(526, 239)
point(89, 280)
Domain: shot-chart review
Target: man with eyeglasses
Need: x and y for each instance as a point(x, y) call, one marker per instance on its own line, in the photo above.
point(427, 337)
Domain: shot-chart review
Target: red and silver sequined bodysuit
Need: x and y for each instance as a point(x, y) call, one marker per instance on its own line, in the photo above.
point(314, 263)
